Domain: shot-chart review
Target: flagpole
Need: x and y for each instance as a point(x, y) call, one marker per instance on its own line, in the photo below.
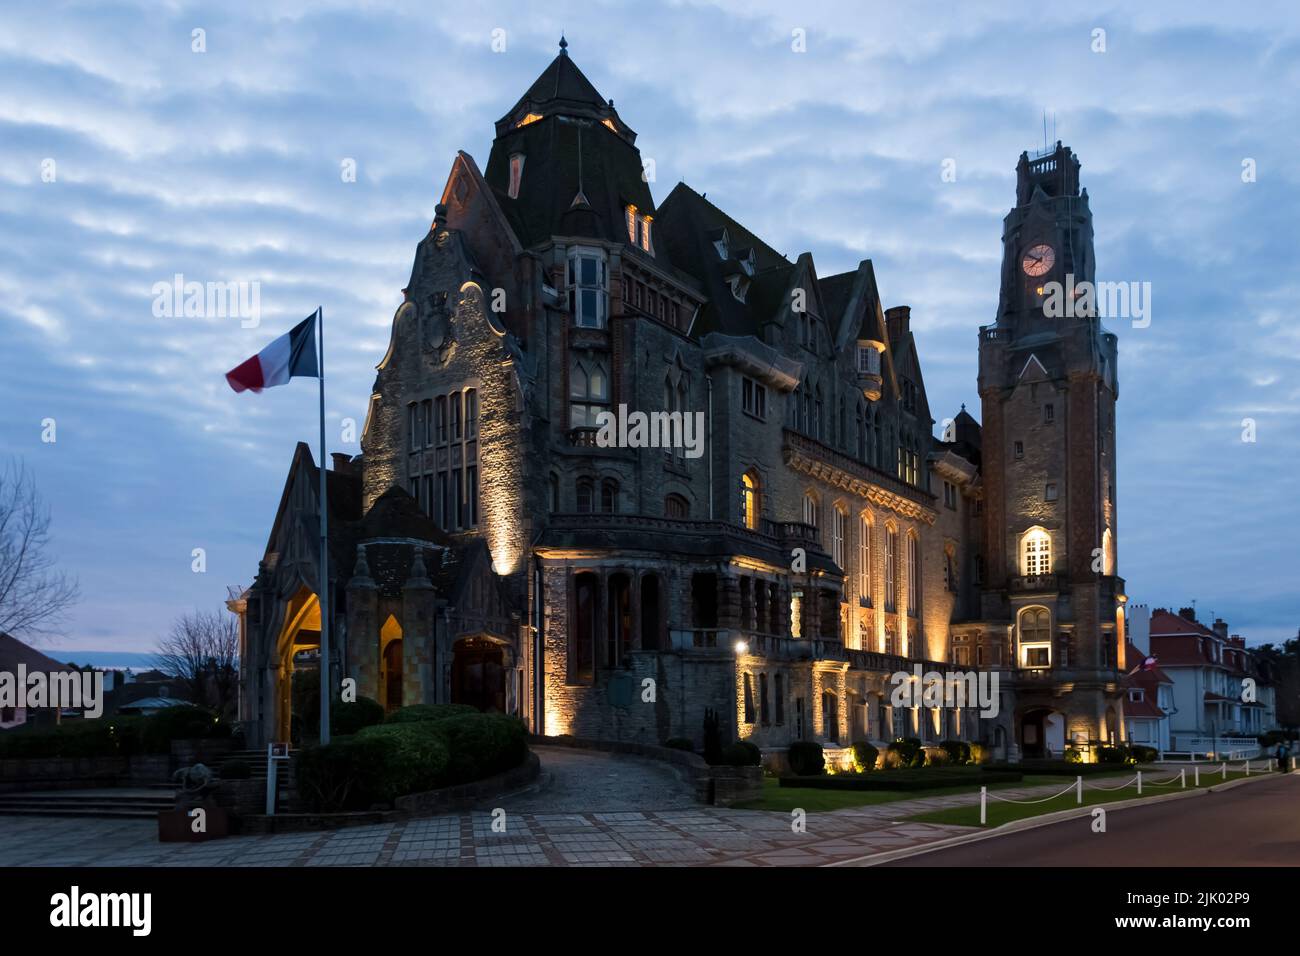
point(326, 688)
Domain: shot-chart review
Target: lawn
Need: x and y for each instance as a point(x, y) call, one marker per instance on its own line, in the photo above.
point(1000, 812)
point(785, 799)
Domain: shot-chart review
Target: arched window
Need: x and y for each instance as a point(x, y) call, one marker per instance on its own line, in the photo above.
point(1036, 549)
point(864, 558)
point(586, 491)
point(609, 496)
point(751, 499)
point(588, 393)
point(675, 506)
point(1107, 552)
point(1035, 625)
point(839, 531)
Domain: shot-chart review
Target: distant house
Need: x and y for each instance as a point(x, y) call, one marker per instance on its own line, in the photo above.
point(149, 692)
point(1220, 692)
point(1148, 699)
point(12, 653)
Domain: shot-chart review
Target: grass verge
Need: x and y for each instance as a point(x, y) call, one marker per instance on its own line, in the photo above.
point(1000, 812)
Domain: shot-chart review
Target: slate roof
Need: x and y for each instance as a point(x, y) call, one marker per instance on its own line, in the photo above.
point(568, 153)
point(14, 652)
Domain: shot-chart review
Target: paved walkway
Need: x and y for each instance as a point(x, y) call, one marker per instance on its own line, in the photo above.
point(590, 809)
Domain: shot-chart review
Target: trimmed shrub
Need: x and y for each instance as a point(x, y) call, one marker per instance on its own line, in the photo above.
point(348, 774)
point(680, 743)
point(183, 722)
point(350, 718)
point(482, 745)
point(908, 751)
point(1115, 755)
point(742, 753)
point(1073, 755)
point(419, 760)
point(864, 756)
point(979, 754)
point(958, 751)
point(1144, 754)
point(937, 757)
point(236, 769)
point(806, 758)
point(416, 713)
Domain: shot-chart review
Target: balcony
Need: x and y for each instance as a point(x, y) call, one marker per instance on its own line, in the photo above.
point(583, 436)
point(1037, 583)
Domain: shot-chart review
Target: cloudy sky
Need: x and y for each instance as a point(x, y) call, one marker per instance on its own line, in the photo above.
point(128, 157)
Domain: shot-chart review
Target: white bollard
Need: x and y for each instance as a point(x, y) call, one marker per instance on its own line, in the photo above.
point(1139, 783)
point(984, 805)
point(1196, 776)
point(1078, 790)
point(1182, 778)
point(1247, 768)
point(1225, 770)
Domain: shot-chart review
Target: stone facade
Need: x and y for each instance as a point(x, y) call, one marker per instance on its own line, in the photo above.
point(777, 562)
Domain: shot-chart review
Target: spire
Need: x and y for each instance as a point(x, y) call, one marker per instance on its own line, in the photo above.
point(564, 46)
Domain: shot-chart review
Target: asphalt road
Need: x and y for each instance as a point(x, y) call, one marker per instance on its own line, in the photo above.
point(1256, 824)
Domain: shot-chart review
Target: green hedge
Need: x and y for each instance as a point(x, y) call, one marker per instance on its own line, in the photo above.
point(420, 712)
point(958, 751)
point(386, 761)
point(115, 736)
point(352, 717)
point(864, 756)
point(908, 752)
point(904, 780)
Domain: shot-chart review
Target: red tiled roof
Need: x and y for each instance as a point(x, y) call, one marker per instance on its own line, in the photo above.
point(1142, 708)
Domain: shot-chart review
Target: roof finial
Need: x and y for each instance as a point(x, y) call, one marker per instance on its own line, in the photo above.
point(564, 46)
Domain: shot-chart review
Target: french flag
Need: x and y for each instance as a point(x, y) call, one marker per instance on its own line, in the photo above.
point(292, 354)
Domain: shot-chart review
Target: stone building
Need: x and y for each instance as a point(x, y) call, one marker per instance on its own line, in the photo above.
point(771, 532)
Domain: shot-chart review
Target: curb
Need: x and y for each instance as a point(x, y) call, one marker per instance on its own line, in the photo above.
point(1043, 820)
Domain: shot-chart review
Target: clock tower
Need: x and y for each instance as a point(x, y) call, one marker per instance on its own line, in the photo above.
point(1048, 387)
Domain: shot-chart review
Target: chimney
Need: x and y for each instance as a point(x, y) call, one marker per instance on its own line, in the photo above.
point(1221, 627)
point(1187, 613)
point(897, 321)
point(1137, 627)
point(342, 462)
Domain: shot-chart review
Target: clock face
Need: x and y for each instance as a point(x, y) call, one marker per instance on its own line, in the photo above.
point(1038, 260)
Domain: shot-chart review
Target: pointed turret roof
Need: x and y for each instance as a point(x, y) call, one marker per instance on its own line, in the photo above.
point(563, 89)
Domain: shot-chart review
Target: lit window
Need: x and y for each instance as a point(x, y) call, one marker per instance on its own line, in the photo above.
point(810, 510)
point(1037, 551)
point(530, 118)
point(516, 174)
point(913, 576)
point(864, 558)
point(750, 499)
point(891, 565)
point(1035, 637)
point(839, 528)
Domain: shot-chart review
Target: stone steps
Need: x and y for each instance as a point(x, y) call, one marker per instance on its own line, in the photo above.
point(128, 804)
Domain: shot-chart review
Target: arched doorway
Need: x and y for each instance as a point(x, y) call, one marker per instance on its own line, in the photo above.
point(650, 622)
point(478, 674)
point(390, 665)
point(1033, 733)
point(299, 636)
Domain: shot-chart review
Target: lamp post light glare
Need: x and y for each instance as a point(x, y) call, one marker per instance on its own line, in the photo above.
point(742, 647)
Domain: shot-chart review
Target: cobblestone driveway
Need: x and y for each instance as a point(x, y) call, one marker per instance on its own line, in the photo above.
point(591, 809)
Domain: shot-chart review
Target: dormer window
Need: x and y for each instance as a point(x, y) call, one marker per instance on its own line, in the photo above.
point(739, 287)
point(638, 230)
point(721, 243)
point(516, 174)
point(530, 118)
point(749, 263)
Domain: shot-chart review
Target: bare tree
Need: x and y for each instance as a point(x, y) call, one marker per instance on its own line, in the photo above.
point(202, 650)
point(33, 595)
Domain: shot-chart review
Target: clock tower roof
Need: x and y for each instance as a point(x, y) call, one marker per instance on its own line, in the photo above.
point(1054, 172)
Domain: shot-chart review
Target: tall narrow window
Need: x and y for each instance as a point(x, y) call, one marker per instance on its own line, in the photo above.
point(810, 510)
point(750, 499)
point(471, 412)
point(763, 714)
point(584, 495)
point(779, 695)
point(588, 288)
point(1035, 637)
point(454, 401)
point(609, 496)
point(516, 174)
point(891, 565)
point(864, 558)
point(839, 527)
point(913, 576)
